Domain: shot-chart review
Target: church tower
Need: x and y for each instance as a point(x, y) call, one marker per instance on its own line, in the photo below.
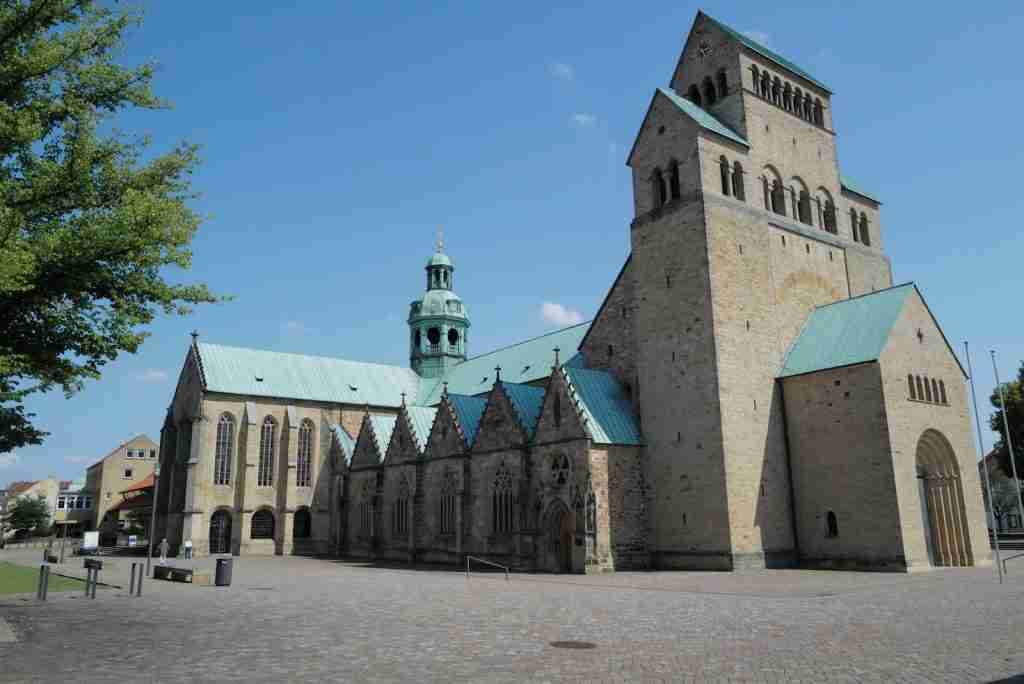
point(438, 322)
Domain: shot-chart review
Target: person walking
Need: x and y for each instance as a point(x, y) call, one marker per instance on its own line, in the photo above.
point(164, 548)
point(188, 549)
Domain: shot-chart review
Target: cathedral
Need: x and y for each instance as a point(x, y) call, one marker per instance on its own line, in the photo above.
point(753, 392)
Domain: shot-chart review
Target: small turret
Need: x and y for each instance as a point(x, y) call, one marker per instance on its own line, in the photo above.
point(438, 322)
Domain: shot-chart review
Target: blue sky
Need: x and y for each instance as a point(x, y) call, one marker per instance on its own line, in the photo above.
point(337, 136)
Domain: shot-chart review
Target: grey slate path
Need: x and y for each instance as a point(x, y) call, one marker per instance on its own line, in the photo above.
point(296, 619)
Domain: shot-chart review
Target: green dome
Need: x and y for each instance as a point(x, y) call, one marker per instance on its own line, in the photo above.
point(439, 303)
point(439, 259)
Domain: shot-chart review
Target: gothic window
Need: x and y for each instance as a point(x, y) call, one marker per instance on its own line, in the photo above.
point(864, 236)
point(942, 392)
point(723, 84)
point(225, 447)
point(503, 501)
point(831, 525)
point(723, 170)
point(804, 207)
point(366, 510)
point(777, 91)
point(709, 91)
point(787, 98)
point(855, 229)
point(560, 469)
point(830, 216)
point(400, 513)
point(304, 462)
point(910, 386)
point(449, 498)
point(819, 112)
point(920, 387)
point(262, 524)
point(935, 390)
point(268, 436)
point(658, 190)
point(694, 94)
point(927, 390)
point(302, 525)
point(737, 182)
point(766, 84)
point(673, 180)
point(778, 197)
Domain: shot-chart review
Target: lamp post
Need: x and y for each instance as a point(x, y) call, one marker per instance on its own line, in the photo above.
point(152, 515)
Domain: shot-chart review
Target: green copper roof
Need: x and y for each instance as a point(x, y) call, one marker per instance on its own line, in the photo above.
point(752, 44)
point(439, 259)
point(382, 426)
point(236, 370)
point(344, 440)
point(606, 407)
point(847, 332)
point(527, 402)
point(853, 186)
point(524, 362)
point(704, 118)
point(422, 419)
point(468, 411)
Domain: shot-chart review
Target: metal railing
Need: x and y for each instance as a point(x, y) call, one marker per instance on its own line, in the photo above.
point(486, 562)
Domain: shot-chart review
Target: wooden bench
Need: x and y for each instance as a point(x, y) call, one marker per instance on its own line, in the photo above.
point(187, 575)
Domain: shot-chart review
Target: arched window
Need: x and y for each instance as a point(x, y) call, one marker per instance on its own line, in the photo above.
point(830, 216)
point(449, 499)
point(268, 436)
point(920, 387)
point(927, 390)
point(910, 386)
point(777, 91)
point(694, 94)
point(709, 91)
point(808, 108)
point(434, 339)
point(787, 97)
point(804, 207)
point(755, 78)
point(798, 98)
point(723, 84)
point(503, 501)
point(737, 182)
point(262, 524)
point(225, 447)
point(766, 85)
point(302, 525)
point(778, 198)
point(304, 462)
point(453, 339)
point(865, 236)
point(942, 392)
point(831, 525)
point(935, 391)
point(723, 171)
point(819, 112)
point(658, 189)
point(673, 180)
point(854, 226)
point(400, 512)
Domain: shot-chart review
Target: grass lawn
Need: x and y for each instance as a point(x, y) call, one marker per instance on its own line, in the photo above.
point(19, 579)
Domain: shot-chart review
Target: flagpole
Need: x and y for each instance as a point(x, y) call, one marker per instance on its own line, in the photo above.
point(984, 465)
point(1009, 442)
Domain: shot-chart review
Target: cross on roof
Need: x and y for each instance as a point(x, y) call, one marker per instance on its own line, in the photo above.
point(497, 374)
point(440, 239)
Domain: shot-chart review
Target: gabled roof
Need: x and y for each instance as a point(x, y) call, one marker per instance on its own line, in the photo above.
point(704, 118)
point(382, 427)
point(146, 483)
point(852, 186)
point(846, 332)
point(527, 402)
point(421, 419)
point(752, 44)
point(237, 370)
point(345, 441)
point(524, 362)
point(608, 411)
point(468, 411)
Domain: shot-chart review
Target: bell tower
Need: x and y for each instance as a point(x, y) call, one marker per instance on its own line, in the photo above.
point(438, 322)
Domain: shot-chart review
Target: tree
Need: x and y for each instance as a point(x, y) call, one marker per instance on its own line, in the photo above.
point(1004, 500)
point(87, 228)
point(28, 513)
point(1012, 391)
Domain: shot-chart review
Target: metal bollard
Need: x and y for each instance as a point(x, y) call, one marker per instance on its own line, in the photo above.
point(88, 581)
point(95, 581)
point(44, 581)
point(131, 582)
point(138, 572)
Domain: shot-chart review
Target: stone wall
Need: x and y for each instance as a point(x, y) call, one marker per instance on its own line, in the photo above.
point(608, 344)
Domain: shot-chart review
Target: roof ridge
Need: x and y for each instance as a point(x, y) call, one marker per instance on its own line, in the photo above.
point(313, 356)
point(684, 103)
point(531, 339)
point(866, 294)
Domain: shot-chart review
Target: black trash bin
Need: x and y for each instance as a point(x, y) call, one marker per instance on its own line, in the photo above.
point(222, 578)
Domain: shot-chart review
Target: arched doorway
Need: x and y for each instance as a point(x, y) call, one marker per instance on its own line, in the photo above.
point(561, 525)
point(220, 532)
point(944, 517)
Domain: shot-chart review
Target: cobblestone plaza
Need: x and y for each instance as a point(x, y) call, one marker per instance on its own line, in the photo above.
point(302, 619)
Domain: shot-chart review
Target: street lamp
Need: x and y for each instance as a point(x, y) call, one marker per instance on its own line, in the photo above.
point(152, 515)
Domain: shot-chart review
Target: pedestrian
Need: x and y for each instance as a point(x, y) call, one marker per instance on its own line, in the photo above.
point(164, 548)
point(188, 549)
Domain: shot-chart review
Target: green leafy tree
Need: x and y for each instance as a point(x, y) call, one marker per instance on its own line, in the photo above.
point(28, 513)
point(1012, 392)
point(88, 226)
point(1004, 500)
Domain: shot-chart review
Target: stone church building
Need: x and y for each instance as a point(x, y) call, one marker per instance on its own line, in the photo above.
point(753, 392)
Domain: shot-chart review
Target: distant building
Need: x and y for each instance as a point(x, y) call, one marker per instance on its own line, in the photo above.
point(75, 504)
point(47, 489)
point(126, 465)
